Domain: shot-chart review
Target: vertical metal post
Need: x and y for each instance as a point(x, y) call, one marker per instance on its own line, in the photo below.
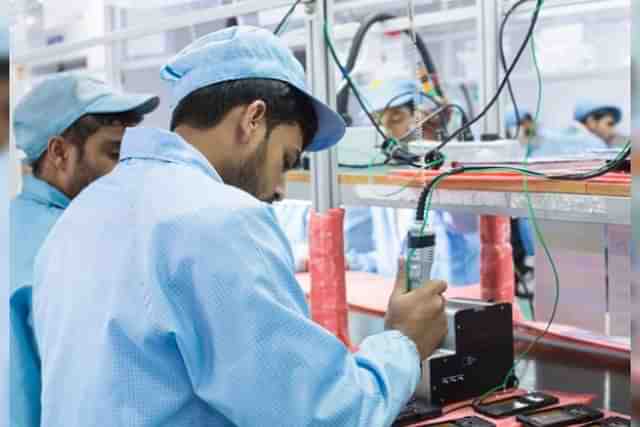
point(324, 165)
point(488, 24)
point(113, 50)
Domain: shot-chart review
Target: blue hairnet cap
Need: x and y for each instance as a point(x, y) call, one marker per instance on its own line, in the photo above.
point(585, 108)
point(510, 120)
point(391, 94)
point(244, 52)
point(58, 102)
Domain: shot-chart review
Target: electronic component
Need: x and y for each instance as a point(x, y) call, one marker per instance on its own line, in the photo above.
point(421, 248)
point(560, 416)
point(415, 411)
point(476, 355)
point(515, 405)
point(462, 422)
point(611, 422)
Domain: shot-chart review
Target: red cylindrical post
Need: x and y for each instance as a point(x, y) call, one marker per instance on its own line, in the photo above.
point(327, 267)
point(497, 279)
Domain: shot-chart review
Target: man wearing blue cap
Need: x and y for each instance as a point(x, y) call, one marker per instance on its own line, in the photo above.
point(165, 295)
point(393, 101)
point(598, 119)
point(592, 130)
point(70, 128)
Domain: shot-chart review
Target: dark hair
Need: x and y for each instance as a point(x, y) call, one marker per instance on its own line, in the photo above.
point(206, 107)
point(599, 115)
point(526, 117)
point(411, 106)
point(4, 68)
point(86, 126)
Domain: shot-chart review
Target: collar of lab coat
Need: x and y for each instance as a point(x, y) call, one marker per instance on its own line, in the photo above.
point(43, 192)
point(158, 144)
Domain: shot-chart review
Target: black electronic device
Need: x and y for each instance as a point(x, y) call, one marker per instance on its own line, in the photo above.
point(463, 422)
point(476, 355)
point(515, 405)
point(415, 411)
point(560, 416)
point(611, 422)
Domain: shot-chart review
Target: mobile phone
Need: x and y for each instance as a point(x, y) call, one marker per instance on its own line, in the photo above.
point(463, 422)
point(560, 416)
point(515, 405)
point(415, 411)
point(611, 422)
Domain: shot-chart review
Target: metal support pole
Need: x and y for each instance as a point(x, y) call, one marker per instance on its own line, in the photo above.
point(324, 165)
point(488, 24)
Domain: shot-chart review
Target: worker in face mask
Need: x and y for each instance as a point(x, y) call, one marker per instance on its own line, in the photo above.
point(175, 282)
point(70, 128)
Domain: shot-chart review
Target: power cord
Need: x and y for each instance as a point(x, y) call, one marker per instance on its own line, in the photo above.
point(424, 206)
point(503, 61)
point(390, 146)
point(502, 85)
point(358, 39)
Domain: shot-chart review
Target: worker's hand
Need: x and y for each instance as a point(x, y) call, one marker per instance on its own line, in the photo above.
point(418, 314)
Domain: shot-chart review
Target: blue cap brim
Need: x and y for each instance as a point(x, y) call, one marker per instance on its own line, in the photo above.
point(611, 109)
point(114, 104)
point(331, 127)
point(617, 113)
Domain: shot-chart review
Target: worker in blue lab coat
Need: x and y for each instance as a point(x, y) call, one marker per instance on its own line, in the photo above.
point(593, 129)
point(4, 220)
point(165, 294)
point(598, 119)
point(70, 128)
point(457, 253)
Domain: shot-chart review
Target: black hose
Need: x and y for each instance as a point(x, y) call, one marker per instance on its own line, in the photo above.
point(467, 98)
point(611, 166)
point(354, 51)
point(503, 60)
point(505, 80)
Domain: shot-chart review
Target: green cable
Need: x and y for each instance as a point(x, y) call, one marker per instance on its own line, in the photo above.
point(436, 182)
point(528, 138)
point(534, 221)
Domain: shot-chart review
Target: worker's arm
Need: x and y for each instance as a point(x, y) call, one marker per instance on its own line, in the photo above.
point(248, 345)
point(25, 367)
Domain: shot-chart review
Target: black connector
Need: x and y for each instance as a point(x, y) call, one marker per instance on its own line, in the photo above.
point(434, 158)
point(621, 166)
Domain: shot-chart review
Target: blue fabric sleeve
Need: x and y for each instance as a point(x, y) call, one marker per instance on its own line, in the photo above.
point(243, 330)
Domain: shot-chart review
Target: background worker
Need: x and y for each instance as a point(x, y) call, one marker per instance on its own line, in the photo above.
point(70, 128)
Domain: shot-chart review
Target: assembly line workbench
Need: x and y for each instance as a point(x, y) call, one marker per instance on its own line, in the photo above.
point(587, 227)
